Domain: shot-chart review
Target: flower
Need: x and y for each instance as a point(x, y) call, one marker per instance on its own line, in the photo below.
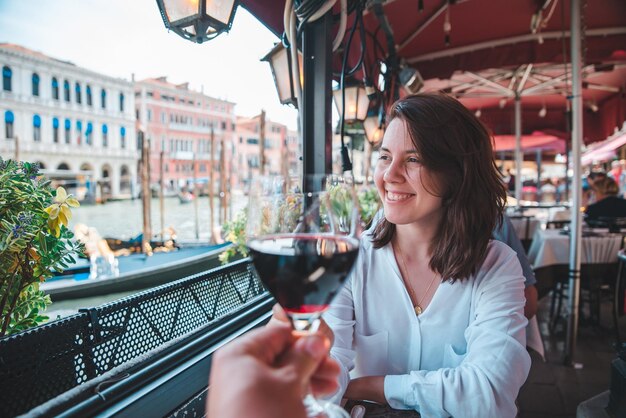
point(59, 211)
point(18, 231)
point(31, 169)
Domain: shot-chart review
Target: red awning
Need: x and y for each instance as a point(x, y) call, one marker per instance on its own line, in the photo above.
point(491, 47)
point(535, 141)
point(605, 150)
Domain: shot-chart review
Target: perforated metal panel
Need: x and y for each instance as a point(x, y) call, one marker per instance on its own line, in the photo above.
point(44, 362)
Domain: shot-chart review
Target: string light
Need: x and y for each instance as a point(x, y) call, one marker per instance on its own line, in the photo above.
point(478, 113)
point(543, 111)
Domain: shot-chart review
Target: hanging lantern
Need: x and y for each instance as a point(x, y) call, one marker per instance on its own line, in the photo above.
point(197, 20)
point(357, 102)
point(374, 127)
point(280, 63)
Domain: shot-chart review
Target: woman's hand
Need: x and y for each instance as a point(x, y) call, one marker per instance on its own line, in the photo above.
point(280, 317)
point(369, 388)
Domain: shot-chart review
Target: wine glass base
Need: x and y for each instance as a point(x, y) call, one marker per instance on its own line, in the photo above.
point(328, 410)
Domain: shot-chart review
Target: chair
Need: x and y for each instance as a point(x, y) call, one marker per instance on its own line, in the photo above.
point(615, 224)
point(596, 277)
point(619, 294)
point(560, 224)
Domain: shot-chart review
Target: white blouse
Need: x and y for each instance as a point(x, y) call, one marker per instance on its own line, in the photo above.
point(464, 356)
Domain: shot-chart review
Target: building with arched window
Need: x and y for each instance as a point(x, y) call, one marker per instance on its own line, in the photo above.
point(47, 115)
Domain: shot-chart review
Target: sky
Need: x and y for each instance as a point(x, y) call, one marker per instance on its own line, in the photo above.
point(122, 37)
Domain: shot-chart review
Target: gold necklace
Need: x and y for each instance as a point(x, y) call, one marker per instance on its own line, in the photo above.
point(418, 307)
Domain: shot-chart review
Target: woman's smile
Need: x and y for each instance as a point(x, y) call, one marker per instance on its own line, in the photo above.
point(398, 196)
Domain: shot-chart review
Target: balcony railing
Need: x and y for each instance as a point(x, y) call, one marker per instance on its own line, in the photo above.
point(100, 358)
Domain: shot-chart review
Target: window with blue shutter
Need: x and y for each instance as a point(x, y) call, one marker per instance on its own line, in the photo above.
point(8, 124)
point(55, 88)
point(55, 130)
point(68, 130)
point(35, 84)
point(105, 136)
point(36, 128)
point(7, 75)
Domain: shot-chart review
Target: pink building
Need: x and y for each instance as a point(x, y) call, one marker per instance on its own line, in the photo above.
point(181, 124)
point(281, 149)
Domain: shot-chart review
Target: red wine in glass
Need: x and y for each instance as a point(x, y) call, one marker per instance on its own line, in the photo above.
point(304, 272)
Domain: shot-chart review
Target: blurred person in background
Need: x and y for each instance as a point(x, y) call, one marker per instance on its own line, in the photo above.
point(616, 172)
point(607, 203)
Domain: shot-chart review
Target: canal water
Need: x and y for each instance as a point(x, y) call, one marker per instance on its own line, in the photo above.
point(124, 220)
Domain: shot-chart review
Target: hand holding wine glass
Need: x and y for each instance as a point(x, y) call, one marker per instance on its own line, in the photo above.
point(302, 239)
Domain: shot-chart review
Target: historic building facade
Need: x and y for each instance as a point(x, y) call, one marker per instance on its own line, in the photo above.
point(79, 125)
point(189, 134)
point(281, 149)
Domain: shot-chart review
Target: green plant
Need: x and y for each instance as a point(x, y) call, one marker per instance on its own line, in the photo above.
point(34, 242)
point(235, 232)
point(369, 204)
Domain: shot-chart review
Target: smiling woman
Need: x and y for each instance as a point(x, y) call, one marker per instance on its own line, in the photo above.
point(431, 318)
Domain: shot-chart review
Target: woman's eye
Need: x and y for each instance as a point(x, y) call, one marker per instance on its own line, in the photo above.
point(413, 160)
point(383, 157)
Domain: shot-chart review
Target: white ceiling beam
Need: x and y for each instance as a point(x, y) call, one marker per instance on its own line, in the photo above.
point(513, 40)
point(486, 81)
point(522, 82)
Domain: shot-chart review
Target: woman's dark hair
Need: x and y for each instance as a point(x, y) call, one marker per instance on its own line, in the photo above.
point(456, 148)
point(606, 186)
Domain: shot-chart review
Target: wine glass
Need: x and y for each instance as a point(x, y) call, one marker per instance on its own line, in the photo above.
point(302, 237)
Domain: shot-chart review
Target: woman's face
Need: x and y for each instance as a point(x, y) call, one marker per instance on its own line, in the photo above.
point(402, 181)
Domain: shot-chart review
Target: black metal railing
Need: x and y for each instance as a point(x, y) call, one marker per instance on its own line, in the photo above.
point(39, 364)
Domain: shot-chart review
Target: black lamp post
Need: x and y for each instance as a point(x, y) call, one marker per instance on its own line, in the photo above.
point(197, 20)
point(279, 59)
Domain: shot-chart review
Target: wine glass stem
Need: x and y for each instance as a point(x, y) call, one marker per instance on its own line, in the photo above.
point(312, 406)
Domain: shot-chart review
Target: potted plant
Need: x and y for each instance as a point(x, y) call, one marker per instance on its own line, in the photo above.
point(34, 242)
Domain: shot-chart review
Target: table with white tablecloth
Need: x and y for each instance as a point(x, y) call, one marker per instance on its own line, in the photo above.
point(525, 227)
point(551, 247)
point(549, 256)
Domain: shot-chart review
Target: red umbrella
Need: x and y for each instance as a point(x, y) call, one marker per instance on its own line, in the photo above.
point(535, 141)
point(491, 44)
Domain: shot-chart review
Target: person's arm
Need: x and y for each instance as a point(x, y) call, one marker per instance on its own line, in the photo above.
point(506, 233)
point(267, 372)
point(531, 306)
point(490, 373)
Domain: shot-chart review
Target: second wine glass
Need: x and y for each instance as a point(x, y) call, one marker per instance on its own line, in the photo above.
point(302, 238)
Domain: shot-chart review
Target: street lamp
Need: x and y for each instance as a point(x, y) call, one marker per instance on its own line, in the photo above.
point(357, 103)
point(374, 127)
point(280, 63)
point(197, 20)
